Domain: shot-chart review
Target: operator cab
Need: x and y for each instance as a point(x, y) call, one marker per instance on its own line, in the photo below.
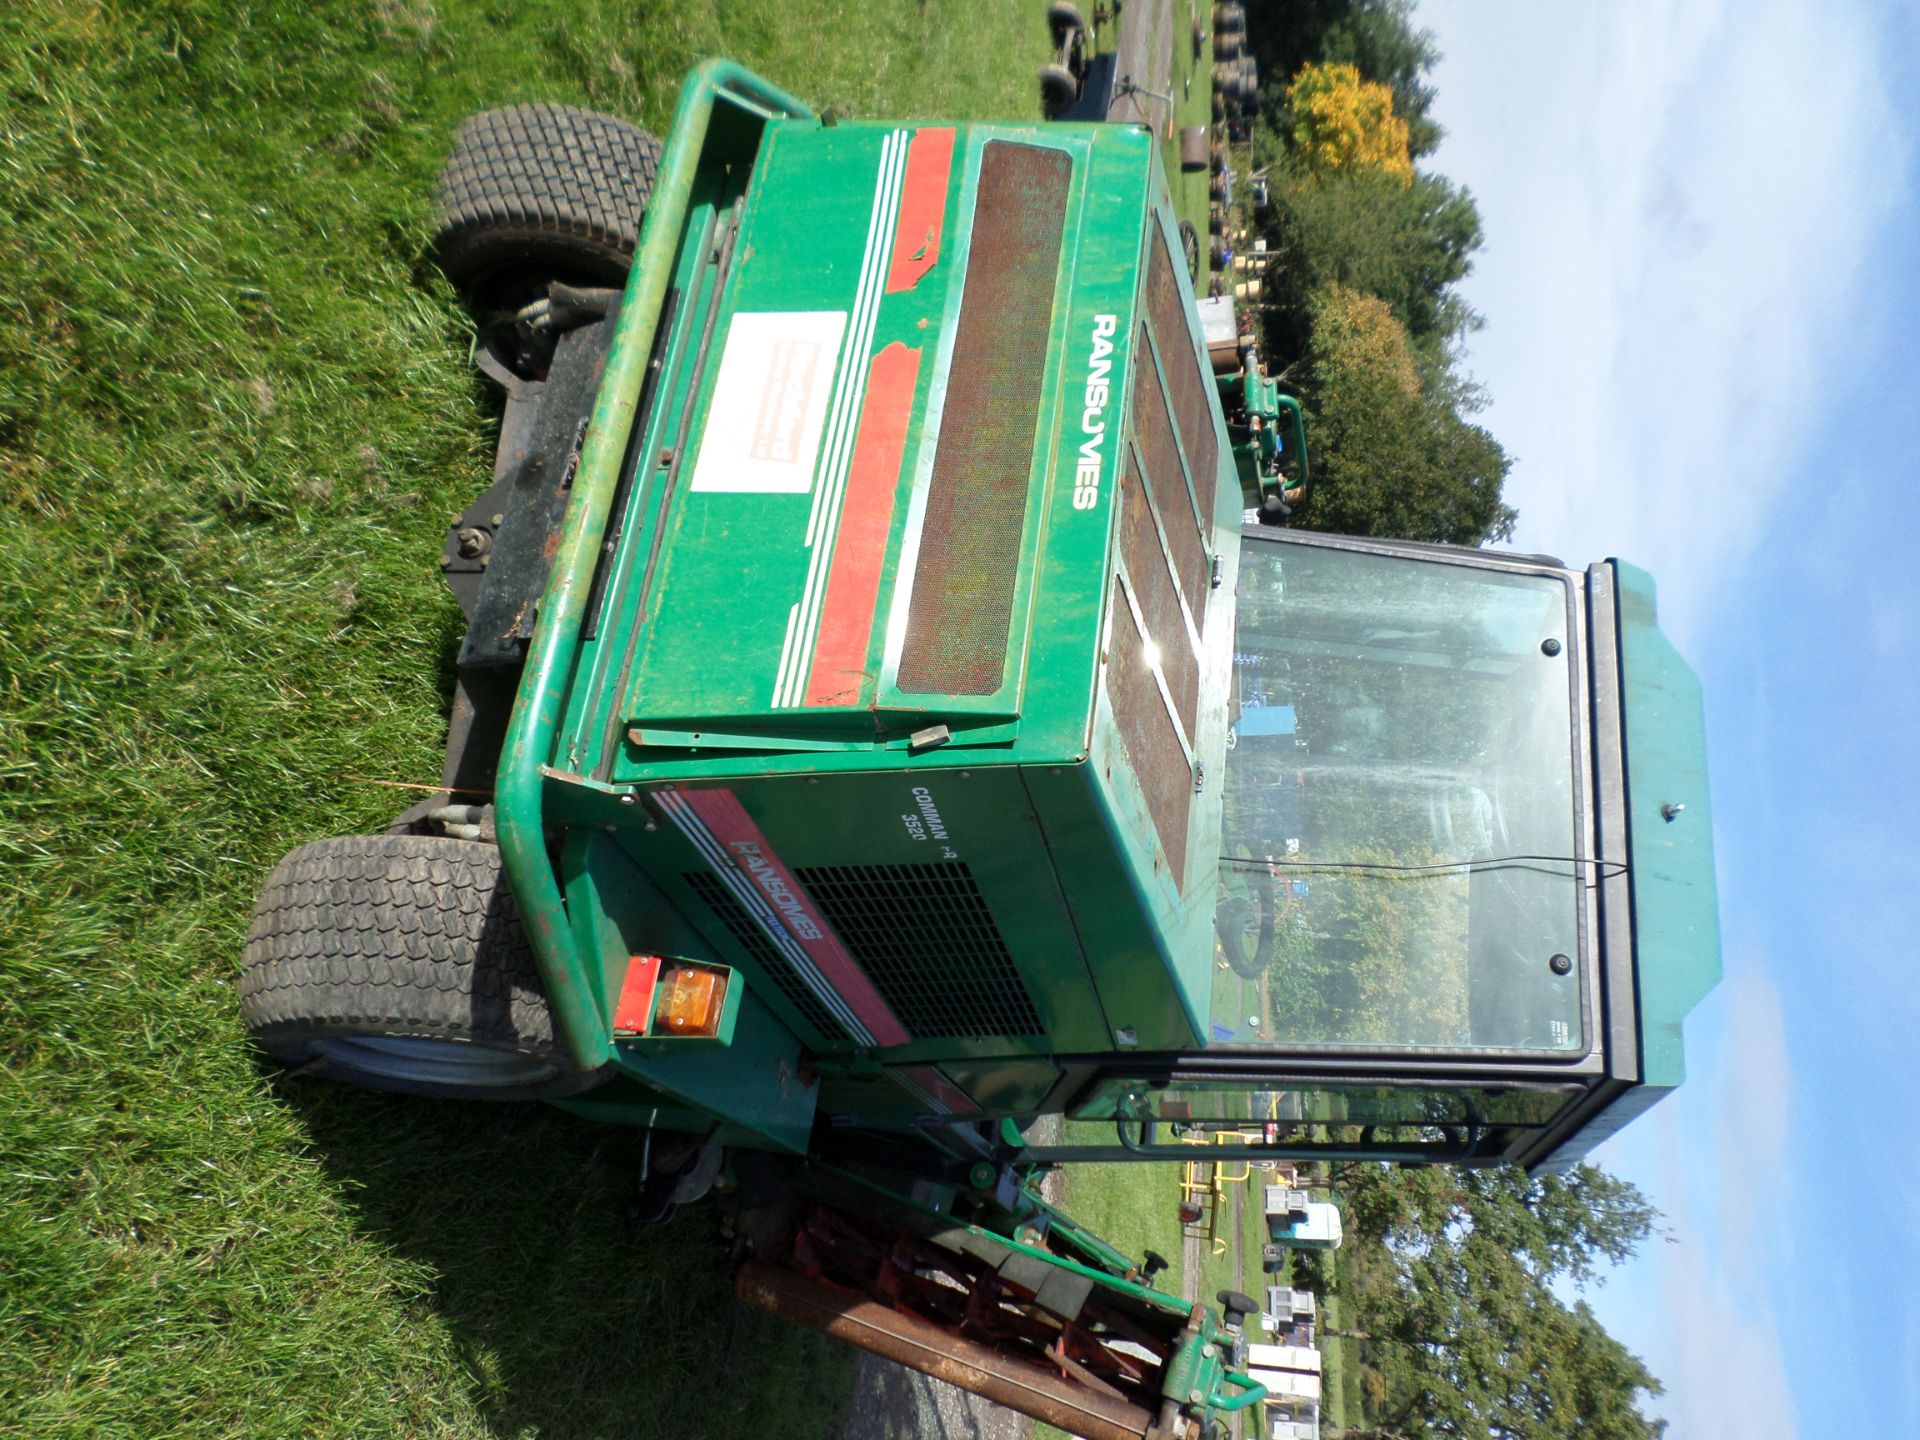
point(1458, 783)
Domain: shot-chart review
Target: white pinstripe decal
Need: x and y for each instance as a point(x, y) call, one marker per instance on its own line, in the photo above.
point(703, 840)
point(823, 523)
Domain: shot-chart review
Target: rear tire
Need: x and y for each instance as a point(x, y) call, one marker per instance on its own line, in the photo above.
point(533, 193)
point(398, 962)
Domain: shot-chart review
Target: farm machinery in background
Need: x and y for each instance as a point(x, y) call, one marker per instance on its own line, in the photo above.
point(877, 730)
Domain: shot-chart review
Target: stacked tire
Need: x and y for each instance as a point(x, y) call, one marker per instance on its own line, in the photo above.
point(1249, 85)
point(1235, 79)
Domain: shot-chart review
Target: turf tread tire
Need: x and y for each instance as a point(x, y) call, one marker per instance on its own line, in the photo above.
point(397, 936)
point(543, 186)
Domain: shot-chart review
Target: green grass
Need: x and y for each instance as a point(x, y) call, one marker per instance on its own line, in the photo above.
point(1340, 1357)
point(234, 416)
point(1134, 1206)
point(1193, 105)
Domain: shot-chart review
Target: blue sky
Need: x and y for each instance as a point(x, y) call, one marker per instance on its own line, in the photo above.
point(1701, 286)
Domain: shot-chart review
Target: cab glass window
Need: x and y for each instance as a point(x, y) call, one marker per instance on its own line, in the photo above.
point(1399, 854)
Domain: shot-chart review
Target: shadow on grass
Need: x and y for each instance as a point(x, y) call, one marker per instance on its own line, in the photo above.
point(571, 1323)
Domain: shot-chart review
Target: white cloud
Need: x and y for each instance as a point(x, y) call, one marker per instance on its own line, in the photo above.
point(1678, 201)
point(1751, 1126)
point(1704, 1310)
point(1730, 1379)
point(1725, 1366)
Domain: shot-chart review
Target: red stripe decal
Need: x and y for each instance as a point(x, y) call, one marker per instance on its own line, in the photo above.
point(839, 670)
point(727, 818)
point(923, 208)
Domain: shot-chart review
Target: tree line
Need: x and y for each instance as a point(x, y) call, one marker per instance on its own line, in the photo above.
point(1464, 1285)
point(1367, 244)
point(1459, 1282)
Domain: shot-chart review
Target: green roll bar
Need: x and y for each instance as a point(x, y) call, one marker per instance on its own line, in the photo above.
point(1252, 1392)
point(518, 791)
point(1296, 426)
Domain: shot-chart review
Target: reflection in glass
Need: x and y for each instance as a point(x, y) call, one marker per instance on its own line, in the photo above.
point(1251, 1104)
point(1401, 738)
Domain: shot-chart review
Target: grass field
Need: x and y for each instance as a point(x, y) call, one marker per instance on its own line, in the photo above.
point(1134, 1206)
point(235, 415)
point(1192, 92)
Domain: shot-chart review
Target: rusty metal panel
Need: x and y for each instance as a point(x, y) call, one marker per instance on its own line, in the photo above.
point(1160, 457)
point(1167, 313)
point(959, 619)
point(1153, 745)
point(934, 1350)
point(1152, 585)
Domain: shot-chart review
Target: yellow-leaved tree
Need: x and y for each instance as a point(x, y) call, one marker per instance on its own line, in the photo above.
point(1341, 122)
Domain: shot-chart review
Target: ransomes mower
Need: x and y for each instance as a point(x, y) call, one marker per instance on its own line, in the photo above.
point(879, 729)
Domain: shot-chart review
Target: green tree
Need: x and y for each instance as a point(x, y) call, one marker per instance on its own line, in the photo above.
point(1391, 457)
point(1338, 122)
point(1378, 38)
point(1463, 1332)
point(1365, 230)
point(1557, 1227)
point(1472, 1346)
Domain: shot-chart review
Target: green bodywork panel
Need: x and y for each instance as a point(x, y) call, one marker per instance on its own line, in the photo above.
point(1676, 916)
point(687, 696)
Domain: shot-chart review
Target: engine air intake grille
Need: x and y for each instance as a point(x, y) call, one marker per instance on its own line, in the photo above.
point(732, 914)
point(926, 939)
point(959, 618)
point(1153, 745)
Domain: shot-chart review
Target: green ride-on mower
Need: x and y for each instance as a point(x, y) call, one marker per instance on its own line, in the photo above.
point(879, 729)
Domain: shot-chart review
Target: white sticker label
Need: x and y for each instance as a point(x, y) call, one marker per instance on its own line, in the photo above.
point(762, 435)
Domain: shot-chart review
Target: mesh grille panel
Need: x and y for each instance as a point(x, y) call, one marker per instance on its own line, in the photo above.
point(970, 540)
point(1168, 314)
point(732, 914)
point(926, 939)
point(1152, 590)
point(1152, 743)
point(1160, 457)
